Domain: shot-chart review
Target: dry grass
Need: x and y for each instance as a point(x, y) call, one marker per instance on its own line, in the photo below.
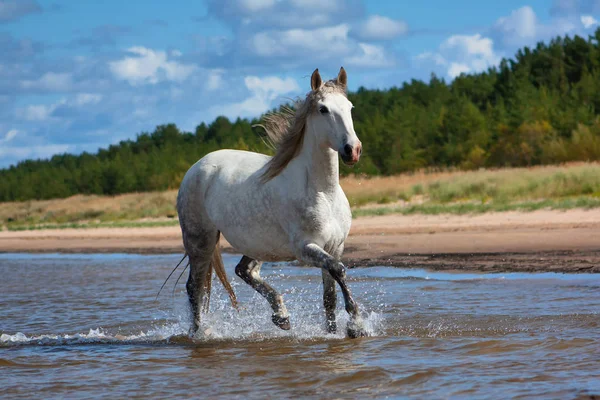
point(412, 193)
point(96, 209)
point(500, 185)
point(387, 189)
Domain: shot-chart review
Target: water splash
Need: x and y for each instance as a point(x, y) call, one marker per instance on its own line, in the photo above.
point(98, 335)
point(251, 323)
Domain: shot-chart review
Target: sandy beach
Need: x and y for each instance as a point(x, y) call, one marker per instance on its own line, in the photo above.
point(560, 241)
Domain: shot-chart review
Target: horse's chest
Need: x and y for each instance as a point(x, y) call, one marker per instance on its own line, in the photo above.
point(327, 221)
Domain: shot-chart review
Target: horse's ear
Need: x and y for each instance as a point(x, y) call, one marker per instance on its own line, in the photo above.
point(315, 80)
point(342, 78)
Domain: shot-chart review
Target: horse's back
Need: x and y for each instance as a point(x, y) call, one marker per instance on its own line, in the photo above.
point(227, 166)
point(232, 166)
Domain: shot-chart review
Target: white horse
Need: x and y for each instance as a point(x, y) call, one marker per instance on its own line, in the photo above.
point(281, 208)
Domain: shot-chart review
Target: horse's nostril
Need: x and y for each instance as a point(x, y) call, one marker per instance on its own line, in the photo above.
point(348, 149)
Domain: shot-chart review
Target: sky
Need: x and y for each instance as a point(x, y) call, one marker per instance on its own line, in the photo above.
point(79, 75)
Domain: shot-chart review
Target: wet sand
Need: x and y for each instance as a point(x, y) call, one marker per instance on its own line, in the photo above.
point(559, 241)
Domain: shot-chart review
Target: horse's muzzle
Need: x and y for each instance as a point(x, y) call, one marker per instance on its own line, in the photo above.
point(351, 155)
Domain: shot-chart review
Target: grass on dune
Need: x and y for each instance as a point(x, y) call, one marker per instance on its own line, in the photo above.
point(478, 208)
point(91, 211)
point(574, 185)
point(87, 225)
point(498, 186)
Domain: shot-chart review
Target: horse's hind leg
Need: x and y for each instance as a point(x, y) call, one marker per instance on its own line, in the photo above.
point(200, 250)
point(197, 288)
point(249, 270)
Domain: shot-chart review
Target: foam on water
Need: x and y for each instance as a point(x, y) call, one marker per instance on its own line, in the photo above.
point(93, 336)
point(424, 274)
point(252, 322)
point(213, 331)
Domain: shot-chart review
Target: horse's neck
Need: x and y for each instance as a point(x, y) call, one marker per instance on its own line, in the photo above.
point(319, 165)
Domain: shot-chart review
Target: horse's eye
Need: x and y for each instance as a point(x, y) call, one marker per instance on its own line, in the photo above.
point(323, 110)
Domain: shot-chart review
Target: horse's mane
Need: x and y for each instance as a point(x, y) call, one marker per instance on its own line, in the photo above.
point(285, 128)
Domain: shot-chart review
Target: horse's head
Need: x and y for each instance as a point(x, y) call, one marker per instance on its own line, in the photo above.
point(331, 116)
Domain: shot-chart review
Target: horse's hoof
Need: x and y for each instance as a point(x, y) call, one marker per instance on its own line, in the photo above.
point(356, 329)
point(192, 331)
point(281, 322)
point(331, 327)
point(354, 333)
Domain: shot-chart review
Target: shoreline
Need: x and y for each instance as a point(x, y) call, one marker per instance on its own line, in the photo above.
point(544, 240)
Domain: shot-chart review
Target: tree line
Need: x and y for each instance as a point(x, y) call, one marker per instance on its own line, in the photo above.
point(540, 107)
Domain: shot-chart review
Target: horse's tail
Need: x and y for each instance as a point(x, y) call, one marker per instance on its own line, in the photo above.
point(216, 264)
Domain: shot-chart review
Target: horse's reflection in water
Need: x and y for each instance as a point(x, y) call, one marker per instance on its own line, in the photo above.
point(283, 208)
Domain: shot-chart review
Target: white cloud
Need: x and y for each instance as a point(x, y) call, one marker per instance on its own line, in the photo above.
point(331, 43)
point(10, 135)
point(319, 5)
point(295, 34)
point(378, 27)
point(215, 79)
point(44, 112)
point(149, 66)
point(370, 56)
point(588, 21)
point(37, 112)
point(455, 69)
point(332, 39)
point(437, 58)
point(468, 53)
point(523, 28)
point(519, 27)
point(83, 99)
point(462, 54)
point(263, 92)
point(256, 5)
point(285, 14)
point(270, 87)
point(50, 81)
point(469, 46)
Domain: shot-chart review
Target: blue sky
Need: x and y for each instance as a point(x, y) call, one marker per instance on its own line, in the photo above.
point(79, 75)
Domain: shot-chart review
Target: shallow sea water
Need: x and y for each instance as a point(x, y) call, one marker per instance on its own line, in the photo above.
point(87, 326)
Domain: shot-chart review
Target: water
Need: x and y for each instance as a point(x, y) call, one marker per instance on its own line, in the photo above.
point(87, 326)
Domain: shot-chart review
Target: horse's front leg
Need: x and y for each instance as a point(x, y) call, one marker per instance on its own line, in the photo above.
point(312, 254)
point(329, 301)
